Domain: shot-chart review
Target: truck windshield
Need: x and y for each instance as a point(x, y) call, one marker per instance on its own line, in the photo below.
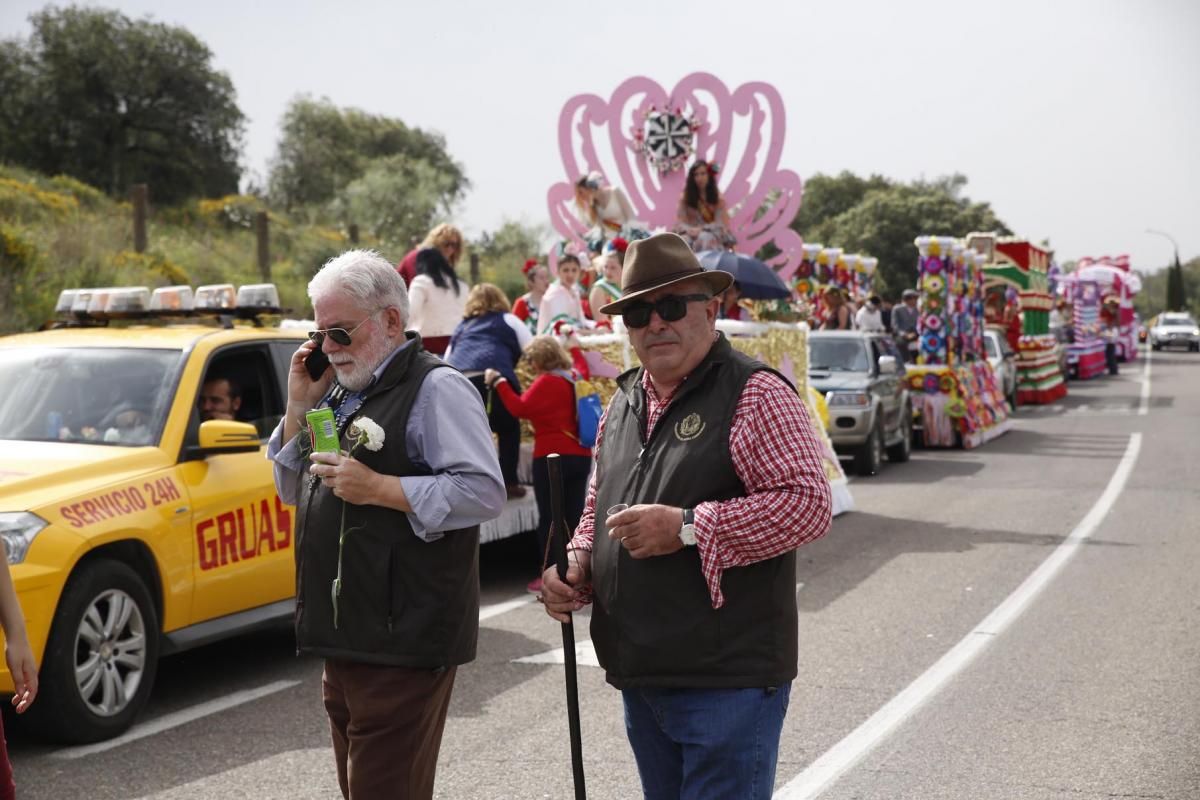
point(97, 395)
point(837, 355)
point(1177, 321)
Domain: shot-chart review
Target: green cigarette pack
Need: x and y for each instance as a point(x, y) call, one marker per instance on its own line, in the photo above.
point(322, 427)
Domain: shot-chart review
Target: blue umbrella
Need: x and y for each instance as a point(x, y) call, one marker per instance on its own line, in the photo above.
point(757, 280)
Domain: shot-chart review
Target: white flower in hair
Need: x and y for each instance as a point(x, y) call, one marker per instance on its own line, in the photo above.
point(366, 431)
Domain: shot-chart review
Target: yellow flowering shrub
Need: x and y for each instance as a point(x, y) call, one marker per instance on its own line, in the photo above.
point(19, 199)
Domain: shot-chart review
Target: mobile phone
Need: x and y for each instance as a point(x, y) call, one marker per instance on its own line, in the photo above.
point(316, 363)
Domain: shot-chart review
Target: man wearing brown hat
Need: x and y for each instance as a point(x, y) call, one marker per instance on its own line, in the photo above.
point(707, 479)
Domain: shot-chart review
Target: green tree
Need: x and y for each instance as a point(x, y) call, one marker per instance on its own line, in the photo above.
point(114, 101)
point(396, 198)
point(323, 149)
point(1156, 290)
point(504, 252)
point(886, 219)
point(1176, 292)
point(826, 196)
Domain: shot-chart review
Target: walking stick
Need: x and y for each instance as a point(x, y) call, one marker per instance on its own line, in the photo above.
point(558, 538)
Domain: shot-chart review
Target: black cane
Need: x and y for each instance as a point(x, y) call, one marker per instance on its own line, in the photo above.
point(559, 536)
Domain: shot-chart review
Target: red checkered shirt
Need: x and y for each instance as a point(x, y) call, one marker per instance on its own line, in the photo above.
point(777, 458)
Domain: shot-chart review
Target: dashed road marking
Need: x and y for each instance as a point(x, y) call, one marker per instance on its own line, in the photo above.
point(174, 720)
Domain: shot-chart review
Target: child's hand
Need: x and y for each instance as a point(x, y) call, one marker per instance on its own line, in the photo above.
point(23, 667)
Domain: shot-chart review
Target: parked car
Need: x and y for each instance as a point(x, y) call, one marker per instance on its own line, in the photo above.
point(1175, 329)
point(133, 528)
point(1004, 363)
point(861, 376)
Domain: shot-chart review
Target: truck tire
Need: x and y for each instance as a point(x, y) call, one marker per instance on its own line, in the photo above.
point(868, 459)
point(101, 656)
point(901, 451)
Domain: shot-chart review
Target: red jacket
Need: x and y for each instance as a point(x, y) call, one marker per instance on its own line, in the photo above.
point(408, 266)
point(548, 403)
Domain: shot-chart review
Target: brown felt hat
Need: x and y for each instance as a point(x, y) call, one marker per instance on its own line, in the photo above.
point(661, 260)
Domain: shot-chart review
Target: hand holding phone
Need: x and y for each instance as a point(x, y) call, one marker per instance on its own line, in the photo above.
point(316, 363)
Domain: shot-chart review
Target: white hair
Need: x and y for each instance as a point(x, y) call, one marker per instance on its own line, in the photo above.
point(365, 276)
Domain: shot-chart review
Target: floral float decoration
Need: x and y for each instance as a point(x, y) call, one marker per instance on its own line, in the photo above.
point(666, 138)
point(740, 127)
point(952, 385)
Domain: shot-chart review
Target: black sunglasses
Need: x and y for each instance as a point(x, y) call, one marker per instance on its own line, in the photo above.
point(670, 308)
point(339, 335)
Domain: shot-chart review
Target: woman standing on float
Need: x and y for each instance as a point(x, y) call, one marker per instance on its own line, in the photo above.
point(702, 218)
point(537, 280)
point(562, 302)
point(608, 288)
point(600, 206)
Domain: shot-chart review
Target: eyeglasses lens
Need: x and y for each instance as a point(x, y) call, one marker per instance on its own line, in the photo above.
point(670, 309)
point(339, 335)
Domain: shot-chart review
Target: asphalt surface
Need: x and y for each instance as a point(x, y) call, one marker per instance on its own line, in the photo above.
point(1091, 691)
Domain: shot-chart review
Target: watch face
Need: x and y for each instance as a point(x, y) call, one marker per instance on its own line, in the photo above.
point(687, 535)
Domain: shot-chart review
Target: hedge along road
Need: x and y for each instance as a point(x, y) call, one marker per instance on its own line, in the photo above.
point(1091, 689)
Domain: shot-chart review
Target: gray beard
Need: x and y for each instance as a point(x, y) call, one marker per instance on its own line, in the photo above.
point(358, 375)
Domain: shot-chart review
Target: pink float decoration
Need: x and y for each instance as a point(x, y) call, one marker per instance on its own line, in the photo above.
point(742, 130)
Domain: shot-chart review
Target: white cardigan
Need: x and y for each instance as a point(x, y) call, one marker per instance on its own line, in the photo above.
point(433, 311)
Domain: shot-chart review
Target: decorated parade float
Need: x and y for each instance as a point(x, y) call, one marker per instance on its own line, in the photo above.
point(641, 141)
point(955, 393)
point(1085, 345)
point(1118, 284)
point(1018, 265)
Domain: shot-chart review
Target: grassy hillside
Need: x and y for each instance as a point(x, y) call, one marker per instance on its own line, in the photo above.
point(58, 233)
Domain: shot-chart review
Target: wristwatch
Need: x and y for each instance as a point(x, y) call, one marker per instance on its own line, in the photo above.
point(687, 533)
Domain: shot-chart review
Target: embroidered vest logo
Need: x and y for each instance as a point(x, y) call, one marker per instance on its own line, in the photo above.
point(689, 427)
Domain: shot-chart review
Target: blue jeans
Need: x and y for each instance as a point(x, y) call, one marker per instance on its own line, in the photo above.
point(706, 744)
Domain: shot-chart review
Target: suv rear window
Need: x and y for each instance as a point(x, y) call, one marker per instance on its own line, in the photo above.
point(837, 355)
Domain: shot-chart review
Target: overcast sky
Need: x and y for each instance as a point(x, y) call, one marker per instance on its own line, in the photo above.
point(1078, 121)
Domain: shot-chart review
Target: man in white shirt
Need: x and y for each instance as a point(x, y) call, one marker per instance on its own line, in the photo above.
point(870, 316)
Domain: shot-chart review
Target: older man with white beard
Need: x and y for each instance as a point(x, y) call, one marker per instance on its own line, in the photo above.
point(387, 532)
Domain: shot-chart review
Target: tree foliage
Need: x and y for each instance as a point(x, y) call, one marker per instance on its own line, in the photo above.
point(396, 199)
point(1176, 289)
point(878, 217)
point(323, 149)
point(504, 252)
point(1156, 295)
point(114, 102)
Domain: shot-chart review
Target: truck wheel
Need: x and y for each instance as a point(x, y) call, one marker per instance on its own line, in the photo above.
point(902, 450)
point(869, 457)
point(101, 657)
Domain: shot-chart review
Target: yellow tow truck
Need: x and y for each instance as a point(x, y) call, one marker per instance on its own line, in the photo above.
point(133, 527)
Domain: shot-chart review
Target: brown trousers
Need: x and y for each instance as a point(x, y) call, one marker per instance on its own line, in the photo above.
point(386, 724)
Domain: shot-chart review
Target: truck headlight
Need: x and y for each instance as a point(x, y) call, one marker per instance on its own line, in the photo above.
point(848, 399)
point(17, 529)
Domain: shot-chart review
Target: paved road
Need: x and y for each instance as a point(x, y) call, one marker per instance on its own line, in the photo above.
point(932, 664)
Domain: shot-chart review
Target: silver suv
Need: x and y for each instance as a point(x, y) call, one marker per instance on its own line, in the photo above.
point(1175, 329)
point(861, 376)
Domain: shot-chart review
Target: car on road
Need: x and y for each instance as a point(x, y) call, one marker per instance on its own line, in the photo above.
point(861, 376)
point(133, 529)
point(1175, 329)
point(1004, 363)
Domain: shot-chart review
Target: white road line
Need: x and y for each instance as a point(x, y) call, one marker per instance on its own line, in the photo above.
point(186, 715)
point(174, 720)
point(835, 762)
point(496, 609)
point(1144, 405)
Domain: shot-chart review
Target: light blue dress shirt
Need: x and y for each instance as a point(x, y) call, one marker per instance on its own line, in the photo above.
point(447, 433)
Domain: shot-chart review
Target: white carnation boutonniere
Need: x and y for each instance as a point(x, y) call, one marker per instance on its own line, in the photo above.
point(363, 432)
